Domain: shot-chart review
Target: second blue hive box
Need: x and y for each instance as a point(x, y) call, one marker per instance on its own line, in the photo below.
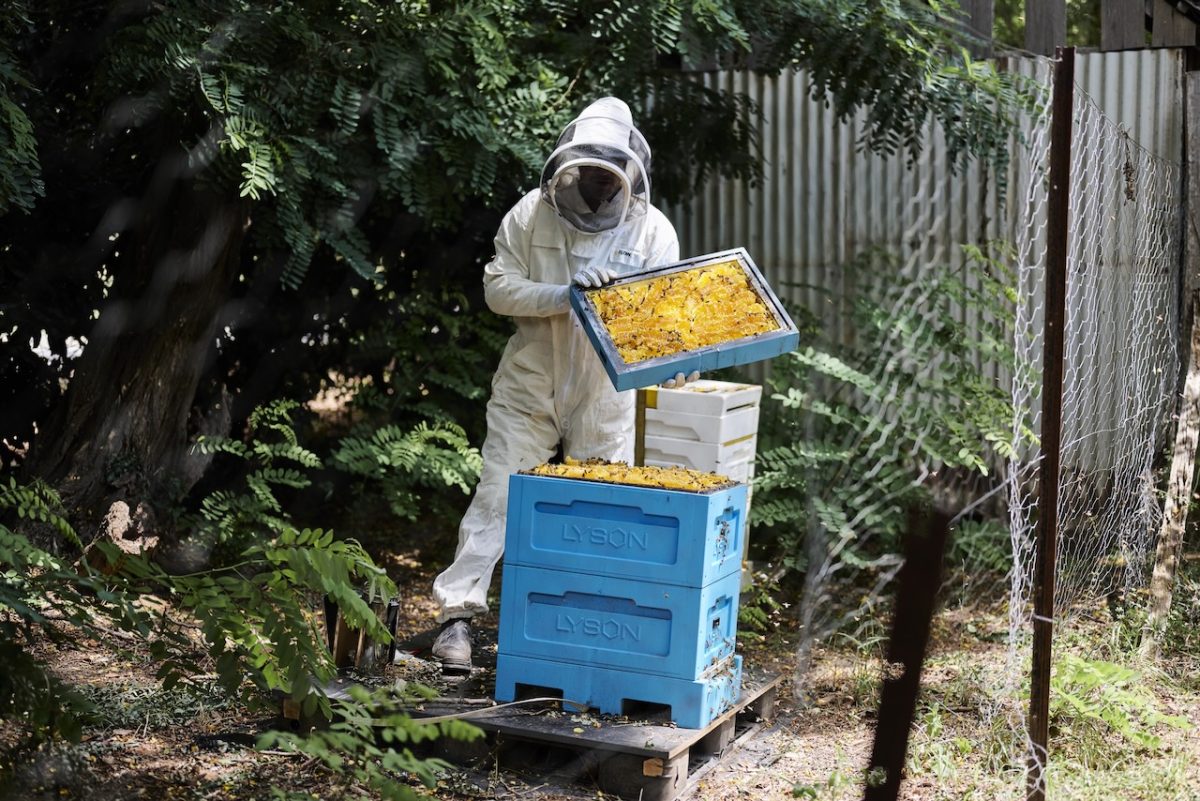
point(607, 622)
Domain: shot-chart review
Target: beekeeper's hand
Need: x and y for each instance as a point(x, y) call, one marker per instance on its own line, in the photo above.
point(681, 379)
point(594, 276)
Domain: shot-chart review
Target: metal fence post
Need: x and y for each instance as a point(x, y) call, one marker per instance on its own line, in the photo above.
point(1058, 220)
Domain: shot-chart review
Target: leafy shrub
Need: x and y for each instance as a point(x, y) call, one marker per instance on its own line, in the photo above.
point(859, 432)
point(405, 465)
point(38, 592)
point(1091, 699)
point(20, 173)
point(368, 741)
point(759, 609)
point(932, 750)
point(981, 546)
point(254, 613)
point(231, 521)
point(1183, 625)
point(439, 349)
point(408, 468)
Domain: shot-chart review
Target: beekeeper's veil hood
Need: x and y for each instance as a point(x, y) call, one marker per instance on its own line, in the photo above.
point(599, 173)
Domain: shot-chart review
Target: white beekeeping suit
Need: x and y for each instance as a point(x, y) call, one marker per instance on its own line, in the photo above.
point(590, 221)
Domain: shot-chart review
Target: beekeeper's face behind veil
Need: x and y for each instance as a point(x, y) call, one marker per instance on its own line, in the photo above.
point(598, 176)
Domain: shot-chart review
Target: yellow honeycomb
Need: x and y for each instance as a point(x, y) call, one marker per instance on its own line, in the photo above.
point(683, 311)
point(676, 478)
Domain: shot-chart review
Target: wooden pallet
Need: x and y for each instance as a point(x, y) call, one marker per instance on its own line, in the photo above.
point(632, 758)
point(637, 756)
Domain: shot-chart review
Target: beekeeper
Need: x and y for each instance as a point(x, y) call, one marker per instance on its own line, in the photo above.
point(589, 222)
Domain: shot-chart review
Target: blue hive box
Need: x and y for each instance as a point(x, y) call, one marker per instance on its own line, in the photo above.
point(660, 535)
point(725, 354)
point(694, 704)
point(600, 621)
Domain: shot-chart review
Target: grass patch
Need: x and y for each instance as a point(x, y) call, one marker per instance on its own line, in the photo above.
point(1136, 778)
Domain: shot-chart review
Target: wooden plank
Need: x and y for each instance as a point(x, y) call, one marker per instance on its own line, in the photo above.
point(351, 647)
point(1191, 174)
point(979, 15)
point(716, 740)
point(1170, 28)
point(1179, 490)
point(646, 740)
point(344, 640)
point(632, 777)
point(1122, 24)
point(706, 766)
point(625, 773)
point(639, 760)
point(764, 707)
point(1045, 26)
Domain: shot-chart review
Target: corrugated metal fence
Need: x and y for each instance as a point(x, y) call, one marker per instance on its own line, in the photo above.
point(822, 201)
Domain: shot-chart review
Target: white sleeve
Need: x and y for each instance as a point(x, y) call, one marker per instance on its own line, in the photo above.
point(507, 287)
point(664, 244)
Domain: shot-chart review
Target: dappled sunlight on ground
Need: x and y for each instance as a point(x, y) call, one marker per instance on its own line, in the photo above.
point(193, 744)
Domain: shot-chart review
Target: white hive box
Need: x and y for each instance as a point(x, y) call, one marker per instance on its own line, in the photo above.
point(743, 472)
point(706, 425)
point(713, 457)
point(704, 397)
point(736, 424)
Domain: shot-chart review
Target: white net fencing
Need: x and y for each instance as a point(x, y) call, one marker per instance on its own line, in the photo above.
point(1120, 371)
point(1121, 367)
point(873, 407)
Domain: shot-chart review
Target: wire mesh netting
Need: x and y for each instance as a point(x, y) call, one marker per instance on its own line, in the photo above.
point(896, 264)
point(1120, 368)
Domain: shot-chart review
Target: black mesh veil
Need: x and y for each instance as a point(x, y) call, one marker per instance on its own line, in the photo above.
point(598, 175)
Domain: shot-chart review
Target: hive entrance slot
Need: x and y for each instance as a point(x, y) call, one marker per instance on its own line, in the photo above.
point(526, 691)
point(645, 710)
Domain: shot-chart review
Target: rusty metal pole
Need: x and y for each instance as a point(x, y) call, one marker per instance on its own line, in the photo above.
point(1058, 218)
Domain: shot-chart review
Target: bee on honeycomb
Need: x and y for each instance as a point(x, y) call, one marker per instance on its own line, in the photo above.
point(682, 311)
point(675, 478)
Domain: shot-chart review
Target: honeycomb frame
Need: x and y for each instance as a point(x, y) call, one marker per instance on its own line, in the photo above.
point(782, 338)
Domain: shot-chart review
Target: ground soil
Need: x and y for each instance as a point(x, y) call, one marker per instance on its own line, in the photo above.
point(156, 746)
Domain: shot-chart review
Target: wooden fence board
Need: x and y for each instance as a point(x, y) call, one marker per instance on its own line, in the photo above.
point(1045, 25)
point(980, 16)
point(1122, 24)
point(1171, 29)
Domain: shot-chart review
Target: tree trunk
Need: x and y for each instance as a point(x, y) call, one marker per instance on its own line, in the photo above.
point(1179, 494)
point(1179, 491)
point(121, 431)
